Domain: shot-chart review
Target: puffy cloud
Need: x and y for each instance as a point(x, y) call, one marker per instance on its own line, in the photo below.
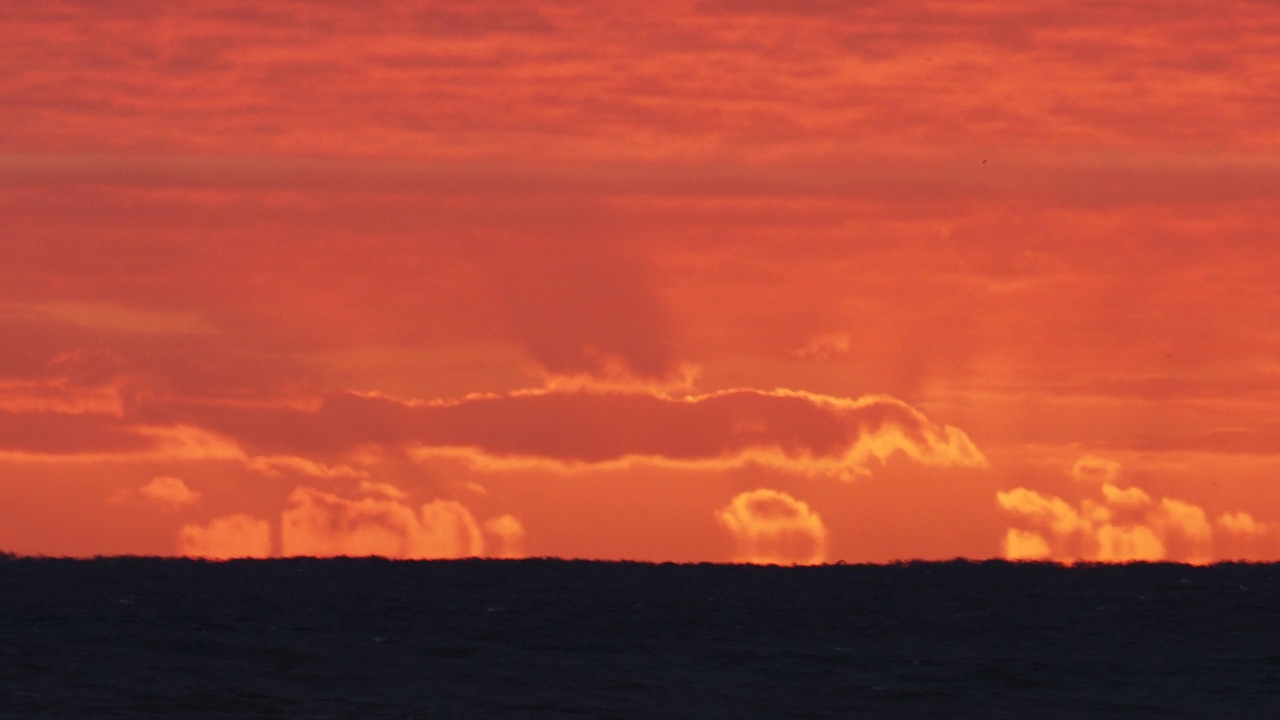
point(223, 538)
point(1242, 523)
point(770, 526)
point(1126, 526)
point(1188, 519)
point(1025, 545)
point(169, 492)
point(1244, 537)
point(507, 537)
point(1125, 497)
point(797, 431)
point(323, 524)
point(1128, 543)
point(1055, 513)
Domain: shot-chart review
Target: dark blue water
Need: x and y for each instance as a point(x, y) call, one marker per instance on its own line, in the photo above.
point(132, 637)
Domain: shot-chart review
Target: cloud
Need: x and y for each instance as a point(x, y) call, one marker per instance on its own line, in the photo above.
point(1025, 545)
point(1242, 523)
point(506, 535)
point(1244, 537)
point(1125, 497)
point(1127, 525)
point(826, 347)
point(791, 430)
point(89, 441)
point(770, 526)
point(322, 524)
point(73, 383)
point(1128, 543)
point(276, 465)
point(1054, 513)
point(223, 538)
point(106, 316)
point(1091, 468)
point(170, 492)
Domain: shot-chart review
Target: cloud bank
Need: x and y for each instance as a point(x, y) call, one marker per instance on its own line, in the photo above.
point(379, 521)
point(1125, 524)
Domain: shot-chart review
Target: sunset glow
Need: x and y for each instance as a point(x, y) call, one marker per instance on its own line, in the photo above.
point(732, 281)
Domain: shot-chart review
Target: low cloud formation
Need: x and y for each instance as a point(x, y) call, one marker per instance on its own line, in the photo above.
point(322, 524)
point(380, 521)
point(1126, 525)
point(166, 493)
point(790, 430)
point(505, 535)
point(1243, 537)
point(1025, 545)
point(771, 527)
point(170, 492)
point(224, 538)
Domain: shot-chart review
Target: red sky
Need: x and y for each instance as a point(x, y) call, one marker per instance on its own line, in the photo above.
point(781, 282)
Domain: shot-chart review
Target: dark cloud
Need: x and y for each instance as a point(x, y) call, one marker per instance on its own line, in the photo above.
point(804, 432)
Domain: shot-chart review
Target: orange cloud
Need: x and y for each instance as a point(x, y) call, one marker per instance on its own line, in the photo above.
point(771, 527)
point(227, 537)
point(322, 524)
point(1091, 468)
point(506, 537)
point(193, 261)
point(170, 492)
point(1244, 537)
point(826, 347)
point(60, 394)
point(1025, 545)
point(1055, 513)
point(1128, 543)
point(1126, 526)
point(1242, 523)
point(1125, 497)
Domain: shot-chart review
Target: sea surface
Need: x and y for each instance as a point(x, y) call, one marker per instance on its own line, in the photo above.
point(369, 638)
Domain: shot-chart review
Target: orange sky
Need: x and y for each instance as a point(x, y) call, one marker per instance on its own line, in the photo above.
point(800, 281)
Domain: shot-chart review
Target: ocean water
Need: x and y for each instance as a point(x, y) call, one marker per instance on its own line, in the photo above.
point(369, 638)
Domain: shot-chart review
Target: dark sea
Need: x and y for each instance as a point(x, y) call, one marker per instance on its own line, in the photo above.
point(368, 638)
